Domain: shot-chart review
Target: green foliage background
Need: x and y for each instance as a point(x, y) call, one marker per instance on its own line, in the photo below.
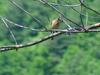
point(75, 54)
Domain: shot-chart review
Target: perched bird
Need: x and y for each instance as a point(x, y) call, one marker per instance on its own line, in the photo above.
point(55, 24)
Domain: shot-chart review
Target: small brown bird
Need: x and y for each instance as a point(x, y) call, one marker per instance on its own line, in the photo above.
point(55, 23)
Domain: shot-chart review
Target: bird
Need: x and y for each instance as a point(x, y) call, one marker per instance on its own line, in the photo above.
point(55, 23)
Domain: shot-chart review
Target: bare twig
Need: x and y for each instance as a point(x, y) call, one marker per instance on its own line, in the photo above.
point(28, 13)
point(9, 30)
point(89, 8)
point(81, 16)
point(74, 5)
point(83, 13)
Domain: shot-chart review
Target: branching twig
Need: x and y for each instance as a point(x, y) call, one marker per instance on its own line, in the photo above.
point(28, 13)
point(76, 30)
point(89, 8)
point(9, 30)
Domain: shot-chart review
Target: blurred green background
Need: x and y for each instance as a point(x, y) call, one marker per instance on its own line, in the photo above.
point(75, 54)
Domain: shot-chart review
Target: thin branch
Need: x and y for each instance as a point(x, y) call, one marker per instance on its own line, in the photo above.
point(69, 26)
point(28, 13)
point(74, 5)
point(82, 13)
point(86, 22)
point(9, 30)
point(18, 25)
point(89, 8)
point(81, 16)
point(12, 47)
